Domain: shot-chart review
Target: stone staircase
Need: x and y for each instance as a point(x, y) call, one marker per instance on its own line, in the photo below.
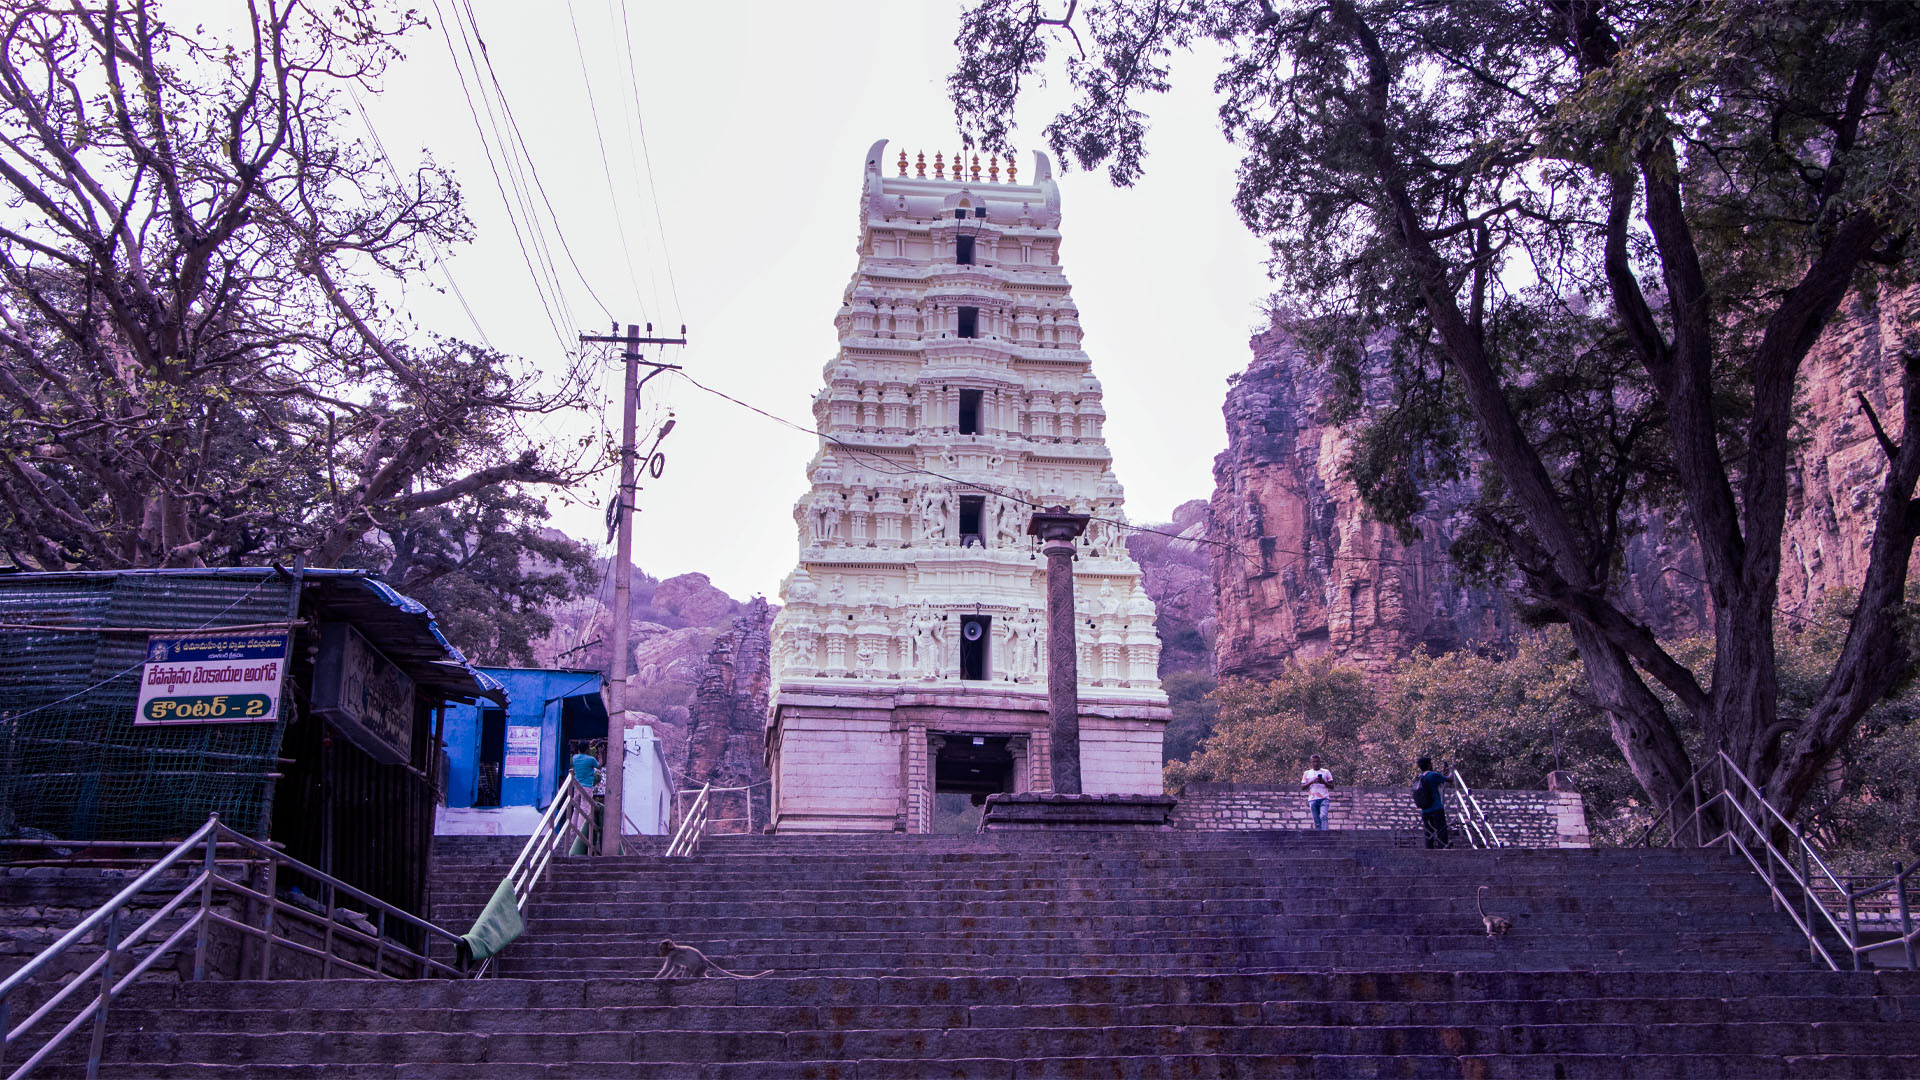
point(1034, 955)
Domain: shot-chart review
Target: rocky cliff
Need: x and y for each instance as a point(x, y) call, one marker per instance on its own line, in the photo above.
point(726, 728)
point(1306, 572)
point(1300, 569)
point(1173, 570)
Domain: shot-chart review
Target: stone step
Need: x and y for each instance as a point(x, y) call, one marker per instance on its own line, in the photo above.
point(1387, 984)
point(1215, 1014)
point(1145, 1066)
point(1769, 1038)
point(1149, 940)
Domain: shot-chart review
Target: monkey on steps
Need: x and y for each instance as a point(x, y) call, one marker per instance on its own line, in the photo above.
point(1495, 924)
point(687, 962)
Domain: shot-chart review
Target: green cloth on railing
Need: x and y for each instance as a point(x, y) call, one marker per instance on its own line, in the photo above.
point(499, 923)
point(579, 845)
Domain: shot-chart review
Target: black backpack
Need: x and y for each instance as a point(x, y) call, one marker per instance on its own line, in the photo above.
point(1421, 795)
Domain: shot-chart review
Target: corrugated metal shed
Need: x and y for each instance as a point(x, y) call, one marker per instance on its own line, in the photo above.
point(73, 763)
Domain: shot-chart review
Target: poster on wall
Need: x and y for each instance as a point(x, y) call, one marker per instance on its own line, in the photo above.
point(363, 694)
point(212, 679)
point(523, 751)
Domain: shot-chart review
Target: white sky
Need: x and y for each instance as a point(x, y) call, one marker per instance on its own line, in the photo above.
point(758, 116)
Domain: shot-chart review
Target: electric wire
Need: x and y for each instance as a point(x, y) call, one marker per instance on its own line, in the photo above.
point(517, 167)
point(439, 257)
point(606, 164)
point(536, 231)
point(533, 169)
point(639, 119)
point(526, 258)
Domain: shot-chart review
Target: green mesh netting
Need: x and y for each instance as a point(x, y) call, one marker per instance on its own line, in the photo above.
point(73, 764)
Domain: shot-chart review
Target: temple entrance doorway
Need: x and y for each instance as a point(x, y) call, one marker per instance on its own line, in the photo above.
point(967, 769)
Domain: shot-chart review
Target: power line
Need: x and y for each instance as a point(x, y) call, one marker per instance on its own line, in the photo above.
point(533, 170)
point(606, 166)
point(536, 232)
point(639, 119)
point(526, 258)
point(439, 257)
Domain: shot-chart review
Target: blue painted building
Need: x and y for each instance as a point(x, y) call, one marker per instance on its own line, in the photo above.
point(514, 756)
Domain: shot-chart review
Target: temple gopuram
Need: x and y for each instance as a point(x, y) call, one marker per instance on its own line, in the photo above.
point(910, 656)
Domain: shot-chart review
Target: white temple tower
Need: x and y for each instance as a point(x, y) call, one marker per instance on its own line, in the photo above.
point(910, 654)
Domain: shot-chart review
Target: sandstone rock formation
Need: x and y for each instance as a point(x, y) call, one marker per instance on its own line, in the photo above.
point(1175, 574)
point(1301, 568)
point(1311, 574)
point(726, 727)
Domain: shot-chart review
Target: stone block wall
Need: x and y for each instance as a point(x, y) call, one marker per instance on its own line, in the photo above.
point(1120, 757)
point(1541, 819)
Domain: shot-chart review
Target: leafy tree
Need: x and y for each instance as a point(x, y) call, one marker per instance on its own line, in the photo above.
point(492, 577)
point(1602, 237)
point(1190, 701)
point(195, 359)
point(1505, 722)
point(1264, 732)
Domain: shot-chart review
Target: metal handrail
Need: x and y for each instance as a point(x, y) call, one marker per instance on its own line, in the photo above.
point(1478, 827)
point(569, 817)
point(117, 946)
point(1797, 865)
point(693, 826)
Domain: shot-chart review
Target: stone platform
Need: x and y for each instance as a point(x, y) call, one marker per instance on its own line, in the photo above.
point(1043, 810)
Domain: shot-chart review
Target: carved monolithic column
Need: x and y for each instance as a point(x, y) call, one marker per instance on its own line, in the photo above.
point(1057, 530)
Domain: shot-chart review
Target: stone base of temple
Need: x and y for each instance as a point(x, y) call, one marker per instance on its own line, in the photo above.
point(1045, 810)
point(864, 758)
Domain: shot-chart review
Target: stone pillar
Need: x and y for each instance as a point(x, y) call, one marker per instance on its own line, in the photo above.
point(1057, 529)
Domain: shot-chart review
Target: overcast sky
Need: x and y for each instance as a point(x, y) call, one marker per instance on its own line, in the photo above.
point(757, 116)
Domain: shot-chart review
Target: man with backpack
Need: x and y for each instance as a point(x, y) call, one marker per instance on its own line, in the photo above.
point(1433, 808)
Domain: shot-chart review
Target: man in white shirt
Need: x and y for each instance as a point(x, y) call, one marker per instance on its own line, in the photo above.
point(1316, 782)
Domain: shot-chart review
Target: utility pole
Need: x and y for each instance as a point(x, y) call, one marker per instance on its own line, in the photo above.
point(612, 816)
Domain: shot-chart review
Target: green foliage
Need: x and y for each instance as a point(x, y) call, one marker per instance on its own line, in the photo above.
point(1263, 732)
point(1503, 721)
point(199, 361)
point(487, 569)
point(1506, 722)
point(1190, 699)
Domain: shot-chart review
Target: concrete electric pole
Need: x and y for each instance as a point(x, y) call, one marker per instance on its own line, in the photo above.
point(612, 816)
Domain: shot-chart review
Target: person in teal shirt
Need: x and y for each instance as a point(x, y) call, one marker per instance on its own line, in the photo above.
point(586, 768)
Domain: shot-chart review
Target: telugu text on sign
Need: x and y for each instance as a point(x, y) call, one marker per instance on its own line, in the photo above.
point(212, 679)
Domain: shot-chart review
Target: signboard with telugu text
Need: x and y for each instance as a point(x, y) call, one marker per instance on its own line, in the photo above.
point(523, 751)
point(212, 679)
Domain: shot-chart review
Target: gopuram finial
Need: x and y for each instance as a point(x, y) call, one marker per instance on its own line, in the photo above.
point(903, 163)
point(1013, 168)
point(920, 164)
point(976, 168)
point(993, 167)
point(939, 169)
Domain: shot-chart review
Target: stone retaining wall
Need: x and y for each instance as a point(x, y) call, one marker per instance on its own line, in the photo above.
point(1541, 819)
